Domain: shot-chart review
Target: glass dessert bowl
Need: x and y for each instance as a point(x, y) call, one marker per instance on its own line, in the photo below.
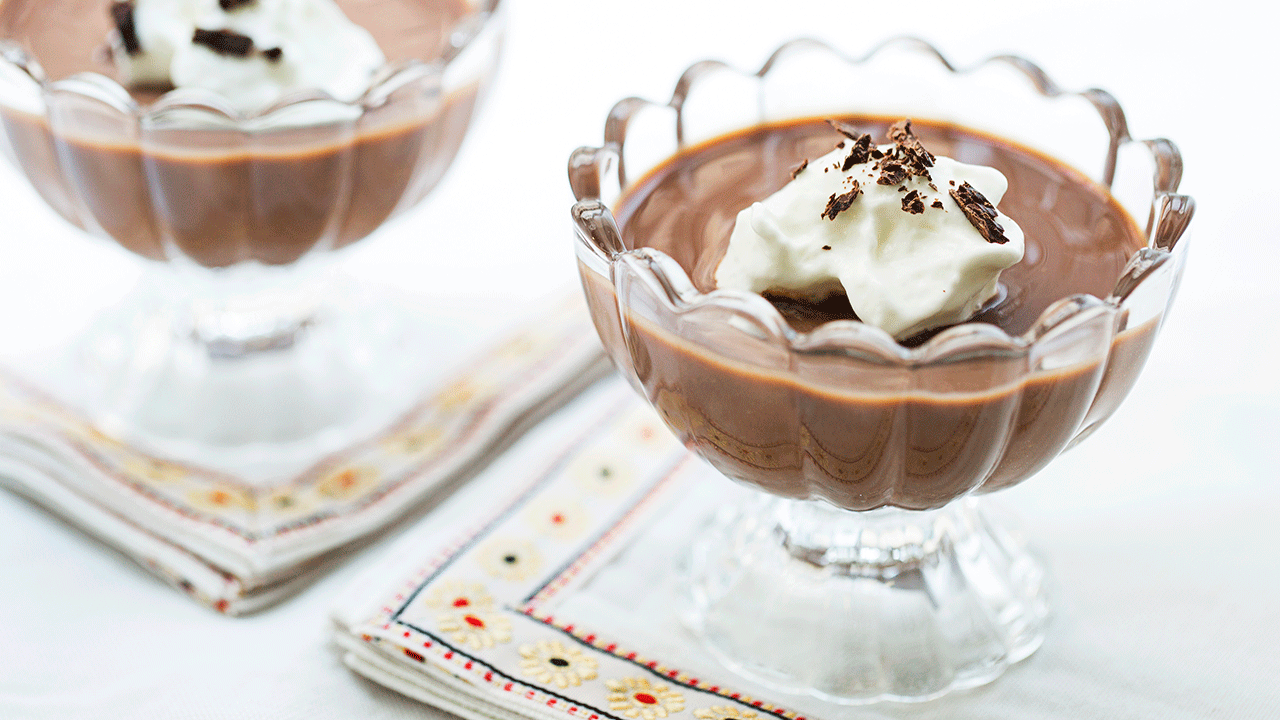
point(866, 569)
point(238, 208)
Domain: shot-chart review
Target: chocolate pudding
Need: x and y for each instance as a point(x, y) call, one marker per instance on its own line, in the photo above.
point(220, 197)
point(855, 431)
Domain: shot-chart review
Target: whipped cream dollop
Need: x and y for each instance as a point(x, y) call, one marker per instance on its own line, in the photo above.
point(913, 240)
point(253, 52)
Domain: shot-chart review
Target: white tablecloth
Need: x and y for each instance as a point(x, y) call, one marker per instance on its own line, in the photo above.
point(1161, 528)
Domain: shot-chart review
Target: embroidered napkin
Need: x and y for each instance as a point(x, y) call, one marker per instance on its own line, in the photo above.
point(552, 587)
point(554, 590)
point(238, 546)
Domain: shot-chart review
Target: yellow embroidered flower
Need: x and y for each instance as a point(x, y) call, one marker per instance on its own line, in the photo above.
point(476, 629)
point(638, 698)
point(601, 474)
point(516, 347)
point(510, 559)
point(151, 470)
point(459, 596)
point(221, 498)
point(412, 442)
point(724, 712)
point(465, 612)
point(96, 437)
point(288, 501)
point(550, 662)
point(560, 519)
point(349, 482)
point(644, 428)
point(461, 394)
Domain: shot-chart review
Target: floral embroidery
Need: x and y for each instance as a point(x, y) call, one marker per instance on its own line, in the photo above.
point(724, 712)
point(550, 662)
point(456, 595)
point(221, 498)
point(457, 396)
point(466, 614)
point(509, 559)
point(601, 473)
point(516, 347)
point(645, 429)
point(476, 629)
point(414, 441)
point(287, 501)
point(96, 437)
point(151, 470)
point(638, 698)
point(562, 520)
point(347, 482)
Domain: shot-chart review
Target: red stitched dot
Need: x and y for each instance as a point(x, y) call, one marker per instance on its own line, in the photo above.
point(461, 602)
point(645, 698)
point(472, 620)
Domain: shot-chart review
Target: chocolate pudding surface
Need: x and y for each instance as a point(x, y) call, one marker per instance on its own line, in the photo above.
point(1078, 238)
point(860, 433)
point(223, 197)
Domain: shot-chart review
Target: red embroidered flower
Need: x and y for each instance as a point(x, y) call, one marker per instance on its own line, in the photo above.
point(638, 698)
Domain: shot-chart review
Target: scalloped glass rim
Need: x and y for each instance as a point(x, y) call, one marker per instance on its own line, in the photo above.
point(391, 77)
point(598, 233)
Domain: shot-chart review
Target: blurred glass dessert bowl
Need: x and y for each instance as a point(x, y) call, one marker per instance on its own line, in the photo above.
point(239, 203)
point(866, 569)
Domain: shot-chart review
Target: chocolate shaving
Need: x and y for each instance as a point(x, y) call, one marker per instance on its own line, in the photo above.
point(907, 159)
point(122, 15)
point(845, 129)
point(837, 204)
point(860, 153)
point(913, 203)
point(909, 146)
point(892, 172)
point(937, 204)
point(826, 247)
point(799, 169)
point(229, 5)
point(981, 213)
point(224, 42)
point(274, 54)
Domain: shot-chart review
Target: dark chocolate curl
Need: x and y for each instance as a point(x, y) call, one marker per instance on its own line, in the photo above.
point(224, 42)
point(980, 212)
point(122, 15)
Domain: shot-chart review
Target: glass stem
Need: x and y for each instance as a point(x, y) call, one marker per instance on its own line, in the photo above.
point(878, 544)
point(250, 309)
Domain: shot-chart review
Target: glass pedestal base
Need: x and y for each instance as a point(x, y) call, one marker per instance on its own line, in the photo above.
point(260, 392)
point(856, 608)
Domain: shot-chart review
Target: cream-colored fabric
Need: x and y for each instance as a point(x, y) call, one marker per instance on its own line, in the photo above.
point(236, 546)
point(607, 598)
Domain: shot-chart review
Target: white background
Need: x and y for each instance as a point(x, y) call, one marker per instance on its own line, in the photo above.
point(1163, 529)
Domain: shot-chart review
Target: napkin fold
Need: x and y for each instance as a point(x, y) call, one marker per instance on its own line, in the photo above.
point(551, 586)
point(238, 546)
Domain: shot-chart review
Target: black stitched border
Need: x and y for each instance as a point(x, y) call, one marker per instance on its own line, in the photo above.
point(777, 712)
point(556, 466)
point(507, 677)
point(664, 474)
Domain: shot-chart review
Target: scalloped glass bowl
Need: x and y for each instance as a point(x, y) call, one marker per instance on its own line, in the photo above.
point(244, 315)
point(867, 570)
point(184, 177)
